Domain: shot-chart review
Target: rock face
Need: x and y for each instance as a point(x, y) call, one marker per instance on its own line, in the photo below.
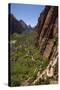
point(47, 41)
point(47, 31)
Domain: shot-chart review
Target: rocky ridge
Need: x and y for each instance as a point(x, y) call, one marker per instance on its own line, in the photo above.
point(17, 26)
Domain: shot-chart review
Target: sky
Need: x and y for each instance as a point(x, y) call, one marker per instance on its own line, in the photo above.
point(28, 13)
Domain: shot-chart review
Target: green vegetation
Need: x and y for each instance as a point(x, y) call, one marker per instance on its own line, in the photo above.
point(25, 59)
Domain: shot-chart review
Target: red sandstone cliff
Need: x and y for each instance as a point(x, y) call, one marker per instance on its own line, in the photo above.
point(47, 31)
point(47, 41)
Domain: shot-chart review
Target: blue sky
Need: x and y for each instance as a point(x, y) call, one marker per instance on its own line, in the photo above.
point(28, 13)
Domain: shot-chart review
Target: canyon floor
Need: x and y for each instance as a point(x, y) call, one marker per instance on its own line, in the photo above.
point(26, 61)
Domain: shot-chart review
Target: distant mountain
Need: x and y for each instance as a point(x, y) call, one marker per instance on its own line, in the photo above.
point(29, 27)
point(17, 26)
point(23, 24)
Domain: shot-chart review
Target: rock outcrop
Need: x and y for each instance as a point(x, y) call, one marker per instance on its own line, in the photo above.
point(47, 31)
point(47, 40)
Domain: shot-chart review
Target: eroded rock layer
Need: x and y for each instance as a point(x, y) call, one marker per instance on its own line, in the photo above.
point(47, 41)
point(47, 31)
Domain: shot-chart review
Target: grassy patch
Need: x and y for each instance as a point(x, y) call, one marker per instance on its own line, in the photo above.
point(25, 60)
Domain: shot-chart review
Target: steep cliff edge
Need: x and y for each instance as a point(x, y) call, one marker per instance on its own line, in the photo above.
point(47, 31)
point(47, 41)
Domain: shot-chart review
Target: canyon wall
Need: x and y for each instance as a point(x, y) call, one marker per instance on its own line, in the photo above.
point(47, 41)
point(47, 32)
